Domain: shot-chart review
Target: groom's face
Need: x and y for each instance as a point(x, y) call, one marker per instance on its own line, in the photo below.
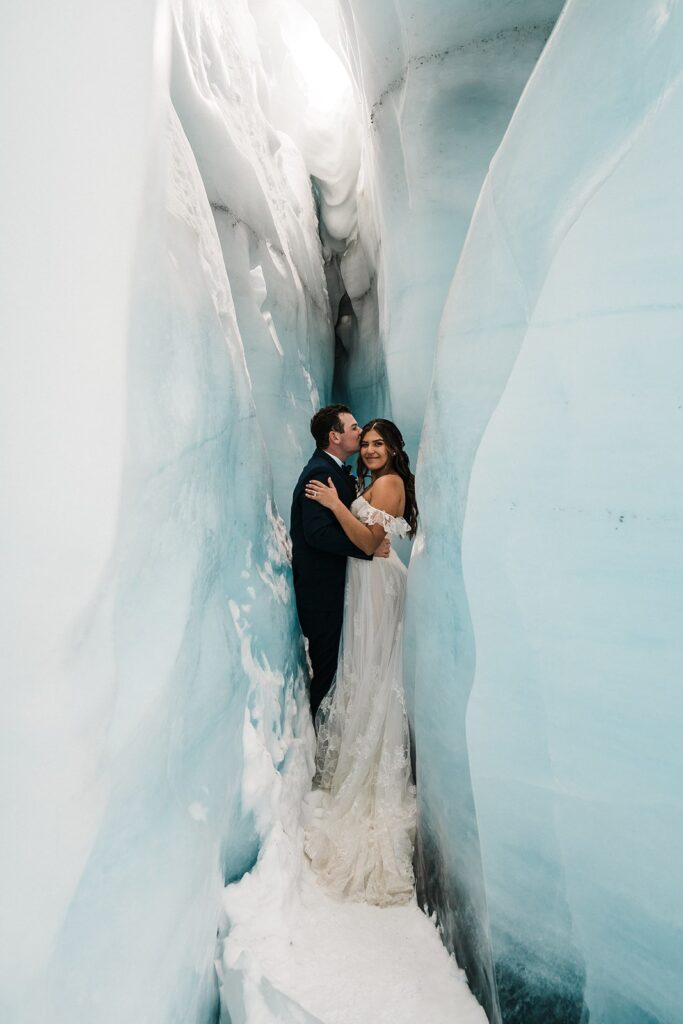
point(349, 439)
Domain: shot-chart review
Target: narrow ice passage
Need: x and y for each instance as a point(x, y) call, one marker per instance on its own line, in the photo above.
point(218, 216)
point(285, 946)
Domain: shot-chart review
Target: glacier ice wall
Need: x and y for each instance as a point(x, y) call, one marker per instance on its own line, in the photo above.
point(267, 105)
point(166, 301)
point(166, 335)
point(438, 84)
point(71, 195)
point(550, 479)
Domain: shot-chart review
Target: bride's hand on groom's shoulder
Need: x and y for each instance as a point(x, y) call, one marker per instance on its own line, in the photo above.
point(323, 494)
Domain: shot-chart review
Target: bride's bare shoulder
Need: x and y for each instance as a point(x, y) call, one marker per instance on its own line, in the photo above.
point(387, 493)
point(389, 484)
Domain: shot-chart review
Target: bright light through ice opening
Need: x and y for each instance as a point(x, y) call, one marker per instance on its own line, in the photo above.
point(325, 77)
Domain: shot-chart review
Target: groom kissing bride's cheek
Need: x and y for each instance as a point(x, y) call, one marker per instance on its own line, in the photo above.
point(350, 590)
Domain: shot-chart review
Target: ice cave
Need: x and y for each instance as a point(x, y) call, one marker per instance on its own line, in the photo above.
point(217, 217)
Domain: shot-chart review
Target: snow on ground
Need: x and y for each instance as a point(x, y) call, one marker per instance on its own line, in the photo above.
point(291, 953)
point(350, 963)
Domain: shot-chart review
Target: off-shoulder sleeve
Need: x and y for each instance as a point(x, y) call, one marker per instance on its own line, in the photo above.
point(395, 526)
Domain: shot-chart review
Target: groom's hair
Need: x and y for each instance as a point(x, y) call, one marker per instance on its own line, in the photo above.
point(324, 421)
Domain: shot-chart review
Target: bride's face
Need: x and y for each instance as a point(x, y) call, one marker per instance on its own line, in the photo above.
point(373, 451)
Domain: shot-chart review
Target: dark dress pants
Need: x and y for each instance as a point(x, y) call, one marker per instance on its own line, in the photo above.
point(323, 629)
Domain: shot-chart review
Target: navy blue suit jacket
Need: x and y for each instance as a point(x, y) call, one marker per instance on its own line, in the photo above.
point(319, 545)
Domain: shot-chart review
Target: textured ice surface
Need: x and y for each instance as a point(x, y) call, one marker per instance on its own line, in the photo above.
point(146, 597)
point(266, 104)
point(550, 476)
point(438, 82)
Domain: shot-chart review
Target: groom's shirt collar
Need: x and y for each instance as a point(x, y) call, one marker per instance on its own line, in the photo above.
point(338, 461)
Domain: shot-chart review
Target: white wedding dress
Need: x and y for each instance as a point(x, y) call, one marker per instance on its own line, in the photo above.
point(360, 839)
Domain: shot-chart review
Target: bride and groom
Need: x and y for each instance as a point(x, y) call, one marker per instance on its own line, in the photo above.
point(350, 590)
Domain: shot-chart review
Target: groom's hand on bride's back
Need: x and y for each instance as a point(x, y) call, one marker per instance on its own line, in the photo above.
point(384, 550)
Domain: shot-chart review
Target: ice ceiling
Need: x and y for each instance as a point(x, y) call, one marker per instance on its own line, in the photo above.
point(216, 217)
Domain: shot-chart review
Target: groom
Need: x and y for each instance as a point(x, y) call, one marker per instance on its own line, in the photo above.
point(320, 547)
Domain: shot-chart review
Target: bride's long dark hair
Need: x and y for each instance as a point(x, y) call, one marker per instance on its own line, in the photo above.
point(398, 463)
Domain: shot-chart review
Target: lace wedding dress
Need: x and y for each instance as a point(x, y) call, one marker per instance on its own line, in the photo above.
point(360, 842)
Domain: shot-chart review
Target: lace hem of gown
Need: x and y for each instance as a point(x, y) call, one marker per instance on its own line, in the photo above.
point(363, 856)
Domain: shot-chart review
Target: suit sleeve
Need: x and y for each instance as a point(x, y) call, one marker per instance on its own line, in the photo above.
point(322, 530)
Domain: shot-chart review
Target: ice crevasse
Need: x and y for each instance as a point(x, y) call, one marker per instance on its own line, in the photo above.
point(217, 217)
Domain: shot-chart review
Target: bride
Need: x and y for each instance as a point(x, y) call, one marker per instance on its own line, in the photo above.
point(360, 842)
